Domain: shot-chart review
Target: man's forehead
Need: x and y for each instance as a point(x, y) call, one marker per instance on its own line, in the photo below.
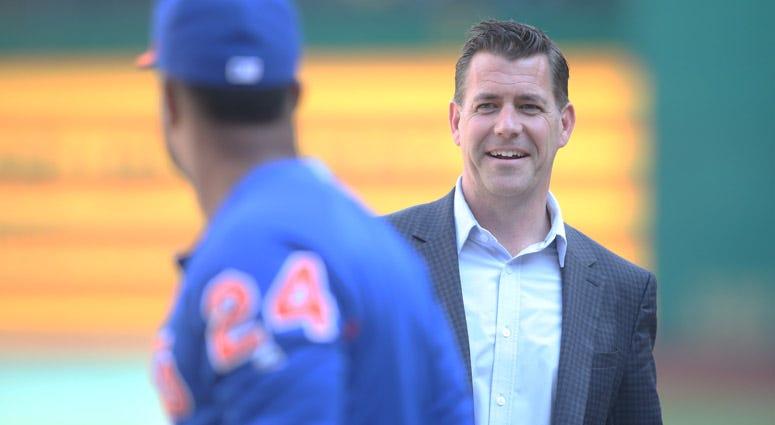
point(492, 75)
point(485, 60)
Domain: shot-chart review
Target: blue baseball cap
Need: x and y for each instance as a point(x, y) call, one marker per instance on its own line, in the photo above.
point(225, 43)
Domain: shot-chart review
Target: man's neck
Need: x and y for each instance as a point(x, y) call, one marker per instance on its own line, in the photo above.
point(516, 222)
point(218, 171)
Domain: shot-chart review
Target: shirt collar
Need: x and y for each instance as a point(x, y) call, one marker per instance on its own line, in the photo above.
point(465, 222)
point(557, 231)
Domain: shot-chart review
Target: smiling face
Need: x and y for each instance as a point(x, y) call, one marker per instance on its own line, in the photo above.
point(509, 128)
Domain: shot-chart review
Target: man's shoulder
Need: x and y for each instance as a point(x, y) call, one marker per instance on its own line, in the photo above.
point(410, 214)
point(580, 243)
point(421, 214)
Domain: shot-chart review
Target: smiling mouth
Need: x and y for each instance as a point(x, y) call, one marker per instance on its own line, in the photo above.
point(504, 154)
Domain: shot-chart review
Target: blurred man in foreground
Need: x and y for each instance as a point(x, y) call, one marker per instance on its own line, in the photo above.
point(296, 306)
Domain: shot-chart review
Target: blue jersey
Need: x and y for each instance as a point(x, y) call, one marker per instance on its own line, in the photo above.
point(298, 307)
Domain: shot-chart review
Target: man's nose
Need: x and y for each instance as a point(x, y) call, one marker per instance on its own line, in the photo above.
point(508, 122)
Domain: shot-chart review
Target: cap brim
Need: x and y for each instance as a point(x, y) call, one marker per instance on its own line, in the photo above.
point(147, 60)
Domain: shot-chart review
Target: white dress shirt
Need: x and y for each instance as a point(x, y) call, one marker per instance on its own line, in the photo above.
point(513, 308)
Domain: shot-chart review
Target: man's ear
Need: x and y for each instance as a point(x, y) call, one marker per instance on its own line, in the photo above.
point(568, 122)
point(170, 106)
point(454, 121)
point(294, 95)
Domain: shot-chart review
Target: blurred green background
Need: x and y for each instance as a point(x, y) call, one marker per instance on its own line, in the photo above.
point(699, 188)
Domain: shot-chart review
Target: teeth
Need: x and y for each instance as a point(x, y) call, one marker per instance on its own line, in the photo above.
point(506, 154)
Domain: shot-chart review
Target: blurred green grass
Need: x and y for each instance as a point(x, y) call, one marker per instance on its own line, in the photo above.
point(702, 406)
point(47, 391)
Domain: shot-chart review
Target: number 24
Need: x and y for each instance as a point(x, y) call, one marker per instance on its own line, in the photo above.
point(299, 297)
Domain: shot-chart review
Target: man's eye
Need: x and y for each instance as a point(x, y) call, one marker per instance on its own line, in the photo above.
point(530, 108)
point(484, 107)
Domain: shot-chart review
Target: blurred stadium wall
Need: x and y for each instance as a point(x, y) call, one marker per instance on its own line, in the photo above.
point(669, 165)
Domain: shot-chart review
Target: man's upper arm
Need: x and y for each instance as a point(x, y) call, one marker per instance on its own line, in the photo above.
point(637, 401)
point(265, 340)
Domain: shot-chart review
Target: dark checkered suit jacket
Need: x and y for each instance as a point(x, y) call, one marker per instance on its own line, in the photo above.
point(606, 372)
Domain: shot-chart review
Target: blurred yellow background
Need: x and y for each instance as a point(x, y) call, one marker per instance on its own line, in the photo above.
point(669, 165)
point(93, 211)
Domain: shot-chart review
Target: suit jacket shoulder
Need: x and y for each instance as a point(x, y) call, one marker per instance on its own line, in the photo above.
point(425, 219)
point(584, 246)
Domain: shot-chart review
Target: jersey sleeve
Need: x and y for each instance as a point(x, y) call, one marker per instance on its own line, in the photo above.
point(253, 344)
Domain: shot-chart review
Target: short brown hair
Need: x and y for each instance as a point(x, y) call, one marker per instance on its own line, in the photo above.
point(512, 40)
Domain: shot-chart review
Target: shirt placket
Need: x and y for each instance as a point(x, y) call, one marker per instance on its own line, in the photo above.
point(505, 358)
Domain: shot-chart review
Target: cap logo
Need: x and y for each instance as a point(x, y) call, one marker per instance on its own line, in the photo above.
point(244, 70)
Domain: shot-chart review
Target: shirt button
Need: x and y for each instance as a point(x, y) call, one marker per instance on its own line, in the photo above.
point(501, 400)
point(508, 270)
point(506, 332)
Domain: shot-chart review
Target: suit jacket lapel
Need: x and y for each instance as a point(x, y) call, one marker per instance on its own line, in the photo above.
point(581, 290)
point(438, 245)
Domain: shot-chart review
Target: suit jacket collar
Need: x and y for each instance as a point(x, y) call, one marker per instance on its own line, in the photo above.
point(439, 247)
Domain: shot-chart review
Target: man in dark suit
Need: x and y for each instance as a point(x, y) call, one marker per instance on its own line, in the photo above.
point(556, 329)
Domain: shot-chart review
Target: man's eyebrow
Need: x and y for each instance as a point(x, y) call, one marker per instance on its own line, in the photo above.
point(532, 98)
point(485, 96)
point(523, 97)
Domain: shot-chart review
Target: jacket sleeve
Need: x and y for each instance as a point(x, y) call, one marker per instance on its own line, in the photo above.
point(637, 401)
